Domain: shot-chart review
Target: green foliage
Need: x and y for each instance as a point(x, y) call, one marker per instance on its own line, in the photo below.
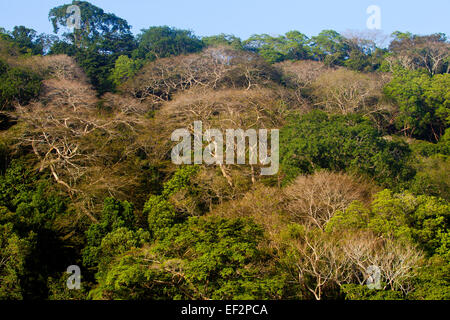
point(125, 68)
point(432, 281)
point(202, 258)
point(223, 39)
point(102, 38)
point(161, 42)
point(13, 254)
point(355, 217)
point(98, 28)
point(292, 46)
point(115, 215)
point(420, 219)
point(160, 212)
point(17, 85)
point(341, 143)
point(423, 102)
point(31, 210)
point(330, 47)
point(432, 176)
point(361, 292)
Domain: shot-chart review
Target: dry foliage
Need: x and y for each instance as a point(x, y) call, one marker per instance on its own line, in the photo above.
point(213, 68)
point(61, 67)
point(324, 261)
point(313, 200)
point(229, 108)
point(428, 52)
point(344, 91)
point(83, 141)
point(300, 75)
point(259, 108)
point(263, 204)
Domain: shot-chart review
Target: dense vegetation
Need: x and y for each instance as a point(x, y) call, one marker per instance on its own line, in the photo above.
point(86, 177)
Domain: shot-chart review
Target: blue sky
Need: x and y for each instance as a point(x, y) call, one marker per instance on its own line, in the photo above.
point(246, 17)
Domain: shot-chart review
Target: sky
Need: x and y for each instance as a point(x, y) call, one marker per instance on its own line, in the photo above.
point(246, 17)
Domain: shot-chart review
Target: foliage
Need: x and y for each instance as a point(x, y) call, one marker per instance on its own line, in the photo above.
point(115, 215)
point(341, 143)
point(223, 39)
point(420, 219)
point(17, 85)
point(86, 177)
point(423, 103)
point(202, 258)
point(291, 46)
point(162, 42)
point(125, 68)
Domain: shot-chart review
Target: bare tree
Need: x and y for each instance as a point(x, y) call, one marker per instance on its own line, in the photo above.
point(213, 68)
point(82, 140)
point(300, 75)
point(431, 52)
point(346, 91)
point(327, 260)
point(315, 199)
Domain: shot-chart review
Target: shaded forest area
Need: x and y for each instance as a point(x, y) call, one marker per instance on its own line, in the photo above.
point(86, 176)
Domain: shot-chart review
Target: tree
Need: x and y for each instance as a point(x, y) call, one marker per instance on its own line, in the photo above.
point(28, 39)
point(162, 42)
point(71, 140)
point(203, 258)
point(341, 143)
point(223, 40)
point(330, 47)
point(422, 220)
point(291, 46)
point(17, 85)
point(115, 215)
point(13, 254)
point(300, 75)
point(102, 38)
point(125, 68)
point(313, 200)
point(411, 52)
point(423, 103)
point(105, 31)
point(213, 68)
point(344, 91)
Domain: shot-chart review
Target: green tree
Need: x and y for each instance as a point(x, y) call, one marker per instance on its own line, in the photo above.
point(223, 39)
point(203, 258)
point(103, 30)
point(291, 46)
point(13, 254)
point(330, 47)
point(102, 38)
point(125, 68)
point(423, 102)
point(17, 85)
point(161, 42)
point(341, 143)
point(115, 215)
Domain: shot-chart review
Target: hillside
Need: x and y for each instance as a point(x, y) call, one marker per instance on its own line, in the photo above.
point(87, 176)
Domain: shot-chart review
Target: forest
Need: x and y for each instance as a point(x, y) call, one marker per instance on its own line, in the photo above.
point(86, 176)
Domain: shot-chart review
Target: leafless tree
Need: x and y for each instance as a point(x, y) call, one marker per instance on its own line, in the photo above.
point(315, 199)
point(78, 141)
point(213, 68)
point(345, 91)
